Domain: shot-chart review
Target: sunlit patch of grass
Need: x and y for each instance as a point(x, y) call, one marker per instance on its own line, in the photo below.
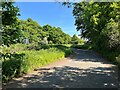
point(25, 61)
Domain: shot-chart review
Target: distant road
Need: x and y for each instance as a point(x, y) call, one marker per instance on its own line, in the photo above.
point(82, 69)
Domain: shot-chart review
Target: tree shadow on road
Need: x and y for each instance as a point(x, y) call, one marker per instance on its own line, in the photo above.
point(88, 56)
point(69, 77)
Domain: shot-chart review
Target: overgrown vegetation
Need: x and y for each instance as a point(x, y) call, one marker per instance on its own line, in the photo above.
point(101, 25)
point(24, 60)
point(26, 45)
point(35, 33)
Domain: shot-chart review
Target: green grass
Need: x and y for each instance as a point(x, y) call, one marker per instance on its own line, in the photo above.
point(85, 46)
point(36, 59)
point(25, 61)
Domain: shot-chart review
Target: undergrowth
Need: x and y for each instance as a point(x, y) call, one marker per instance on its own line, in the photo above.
point(23, 60)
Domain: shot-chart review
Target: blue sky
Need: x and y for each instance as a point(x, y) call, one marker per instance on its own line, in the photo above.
point(51, 13)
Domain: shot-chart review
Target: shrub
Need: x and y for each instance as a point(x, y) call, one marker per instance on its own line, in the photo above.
point(27, 60)
point(12, 66)
point(13, 48)
point(36, 59)
point(45, 46)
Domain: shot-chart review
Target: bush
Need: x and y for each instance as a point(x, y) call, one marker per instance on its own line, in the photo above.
point(28, 60)
point(65, 49)
point(45, 46)
point(12, 66)
point(36, 59)
point(13, 48)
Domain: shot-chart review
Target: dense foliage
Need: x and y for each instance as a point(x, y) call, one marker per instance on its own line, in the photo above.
point(99, 23)
point(10, 24)
point(24, 60)
point(56, 35)
point(31, 30)
point(35, 33)
point(76, 40)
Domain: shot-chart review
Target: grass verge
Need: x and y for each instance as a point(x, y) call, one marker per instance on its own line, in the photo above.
point(25, 61)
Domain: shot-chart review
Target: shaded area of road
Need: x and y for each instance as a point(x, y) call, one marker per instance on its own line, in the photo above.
point(82, 69)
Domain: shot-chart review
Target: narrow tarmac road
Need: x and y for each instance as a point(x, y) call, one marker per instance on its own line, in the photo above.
point(82, 69)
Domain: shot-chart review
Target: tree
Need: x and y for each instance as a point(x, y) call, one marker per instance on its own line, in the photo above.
point(10, 24)
point(97, 21)
point(31, 30)
point(9, 13)
point(74, 39)
point(67, 39)
point(56, 35)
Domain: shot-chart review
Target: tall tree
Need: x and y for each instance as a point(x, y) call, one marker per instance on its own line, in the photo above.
point(75, 39)
point(10, 23)
point(31, 30)
point(99, 22)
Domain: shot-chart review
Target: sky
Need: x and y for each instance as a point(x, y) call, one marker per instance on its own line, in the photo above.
point(52, 13)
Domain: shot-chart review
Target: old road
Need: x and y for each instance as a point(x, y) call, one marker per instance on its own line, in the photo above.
point(82, 69)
